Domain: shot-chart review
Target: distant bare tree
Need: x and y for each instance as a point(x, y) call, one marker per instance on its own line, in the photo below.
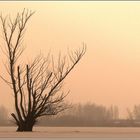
point(36, 86)
point(134, 114)
point(3, 116)
point(113, 112)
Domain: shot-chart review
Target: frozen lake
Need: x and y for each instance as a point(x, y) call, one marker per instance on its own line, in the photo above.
point(70, 133)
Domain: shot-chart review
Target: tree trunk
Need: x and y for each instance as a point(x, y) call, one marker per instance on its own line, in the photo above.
point(25, 126)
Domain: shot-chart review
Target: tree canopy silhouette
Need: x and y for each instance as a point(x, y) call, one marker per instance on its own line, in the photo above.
point(37, 87)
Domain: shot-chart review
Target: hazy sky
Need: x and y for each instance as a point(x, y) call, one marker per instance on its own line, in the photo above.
point(109, 73)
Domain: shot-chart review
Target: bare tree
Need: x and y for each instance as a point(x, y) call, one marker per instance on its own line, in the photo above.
point(134, 114)
point(37, 86)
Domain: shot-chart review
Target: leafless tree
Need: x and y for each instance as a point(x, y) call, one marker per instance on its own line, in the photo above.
point(37, 86)
point(134, 114)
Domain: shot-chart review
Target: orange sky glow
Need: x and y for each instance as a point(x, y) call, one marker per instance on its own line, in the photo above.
point(109, 73)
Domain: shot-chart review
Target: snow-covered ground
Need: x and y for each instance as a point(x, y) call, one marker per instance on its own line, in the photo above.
point(73, 132)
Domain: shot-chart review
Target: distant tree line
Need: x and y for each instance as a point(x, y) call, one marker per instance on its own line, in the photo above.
point(84, 115)
point(93, 115)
